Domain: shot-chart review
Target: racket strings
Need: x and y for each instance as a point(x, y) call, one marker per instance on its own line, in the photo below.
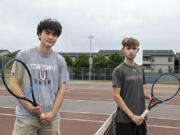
point(166, 87)
point(17, 79)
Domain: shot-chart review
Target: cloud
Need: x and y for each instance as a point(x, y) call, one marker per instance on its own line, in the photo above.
point(154, 23)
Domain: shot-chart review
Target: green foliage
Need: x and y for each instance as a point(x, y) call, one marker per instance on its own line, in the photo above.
point(0, 62)
point(82, 61)
point(114, 60)
point(170, 70)
point(69, 61)
point(100, 62)
point(160, 71)
point(5, 59)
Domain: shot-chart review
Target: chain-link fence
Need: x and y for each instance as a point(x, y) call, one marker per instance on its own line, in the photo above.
point(102, 74)
point(84, 74)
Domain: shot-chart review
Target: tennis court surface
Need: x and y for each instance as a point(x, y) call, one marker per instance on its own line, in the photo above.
point(86, 107)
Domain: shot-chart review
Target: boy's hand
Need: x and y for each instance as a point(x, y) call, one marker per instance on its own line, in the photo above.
point(137, 119)
point(47, 118)
point(34, 110)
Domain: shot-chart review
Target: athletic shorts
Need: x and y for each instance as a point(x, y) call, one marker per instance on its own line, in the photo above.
point(131, 129)
point(24, 126)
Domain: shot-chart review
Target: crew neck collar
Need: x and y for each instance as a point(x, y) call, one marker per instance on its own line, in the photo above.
point(43, 54)
point(129, 65)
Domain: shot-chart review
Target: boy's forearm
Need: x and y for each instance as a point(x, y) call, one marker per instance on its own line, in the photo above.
point(120, 102)
point(147, 95)
point(59, 98)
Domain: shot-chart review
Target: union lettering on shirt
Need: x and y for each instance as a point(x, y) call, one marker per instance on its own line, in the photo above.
point(134, 77)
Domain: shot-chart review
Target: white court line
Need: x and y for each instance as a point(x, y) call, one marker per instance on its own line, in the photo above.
point(85, 113)
point(65, 111)
point(7, 107)
point(3, 114)
point(101, 99)
point(164, 118)
point(83, 120)
point(157, 126)
point(97, 93)
point(94, 114)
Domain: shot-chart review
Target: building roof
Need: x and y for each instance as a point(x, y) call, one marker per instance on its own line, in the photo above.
point(101, 52)
point(178, 55)
point(76, 54)
point(13, 53)
point(4, 51)
point(149, 53)
point(108, 52)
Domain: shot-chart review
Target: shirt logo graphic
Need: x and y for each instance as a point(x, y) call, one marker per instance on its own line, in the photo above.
point(42, 75)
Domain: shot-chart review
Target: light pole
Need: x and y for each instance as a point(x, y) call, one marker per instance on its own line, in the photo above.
point(90, 59)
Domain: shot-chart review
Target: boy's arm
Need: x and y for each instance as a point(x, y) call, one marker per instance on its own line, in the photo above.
point(57, 104)
point(147, 96)
point(34, 110)
point(120, 102)
point(59, 98)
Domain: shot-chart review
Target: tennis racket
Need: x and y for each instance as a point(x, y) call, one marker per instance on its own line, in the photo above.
point(18, 81)
point(164, 88)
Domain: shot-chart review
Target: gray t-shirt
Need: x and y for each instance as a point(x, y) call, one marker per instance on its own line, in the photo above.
point(130, 79)
point(48, 72)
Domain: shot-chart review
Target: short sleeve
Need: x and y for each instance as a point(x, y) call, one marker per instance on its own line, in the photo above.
point(17, 70)
point(63, 76)
point(116, 78)
point(22, 55)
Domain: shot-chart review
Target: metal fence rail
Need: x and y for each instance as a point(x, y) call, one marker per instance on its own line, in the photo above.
point(102, 74)
point(96, 73)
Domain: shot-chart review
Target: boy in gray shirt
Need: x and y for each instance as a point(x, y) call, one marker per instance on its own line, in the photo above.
point(49, 73)
point(128, 80)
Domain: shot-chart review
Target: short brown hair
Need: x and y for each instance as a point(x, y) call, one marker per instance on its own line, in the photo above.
point(130, 42)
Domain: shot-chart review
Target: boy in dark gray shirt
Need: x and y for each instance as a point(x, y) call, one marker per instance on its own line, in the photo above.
point(128, 80)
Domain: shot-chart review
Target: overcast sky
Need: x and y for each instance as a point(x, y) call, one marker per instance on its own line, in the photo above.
point(155, 23)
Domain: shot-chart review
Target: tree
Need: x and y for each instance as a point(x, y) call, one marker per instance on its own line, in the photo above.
point(170, 70)
point(82, 61)
point(69, 61)
point(100, 62)
point(114, 60)
point(160, 71)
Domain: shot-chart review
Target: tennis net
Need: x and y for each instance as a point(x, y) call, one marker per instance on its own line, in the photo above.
point(109, 126)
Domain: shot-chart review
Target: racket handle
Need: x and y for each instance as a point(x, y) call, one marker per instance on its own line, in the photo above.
point(42, 115)
point(144, 113)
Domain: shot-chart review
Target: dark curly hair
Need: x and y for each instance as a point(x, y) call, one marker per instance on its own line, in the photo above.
point(50, 24)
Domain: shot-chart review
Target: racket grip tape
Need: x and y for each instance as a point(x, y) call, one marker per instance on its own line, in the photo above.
point(144, 113)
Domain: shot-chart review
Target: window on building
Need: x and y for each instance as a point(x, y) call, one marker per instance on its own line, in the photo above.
point(147, 67)
point(152, 59)
point(146, 59)
point(170, 59)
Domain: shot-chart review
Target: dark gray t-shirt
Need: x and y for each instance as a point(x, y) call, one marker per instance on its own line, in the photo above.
point(48, 72)
point(130, 79)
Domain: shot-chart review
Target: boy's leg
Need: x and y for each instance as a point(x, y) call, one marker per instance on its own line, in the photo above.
point(126, 129)
point(25, 126)
point(52, 129)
